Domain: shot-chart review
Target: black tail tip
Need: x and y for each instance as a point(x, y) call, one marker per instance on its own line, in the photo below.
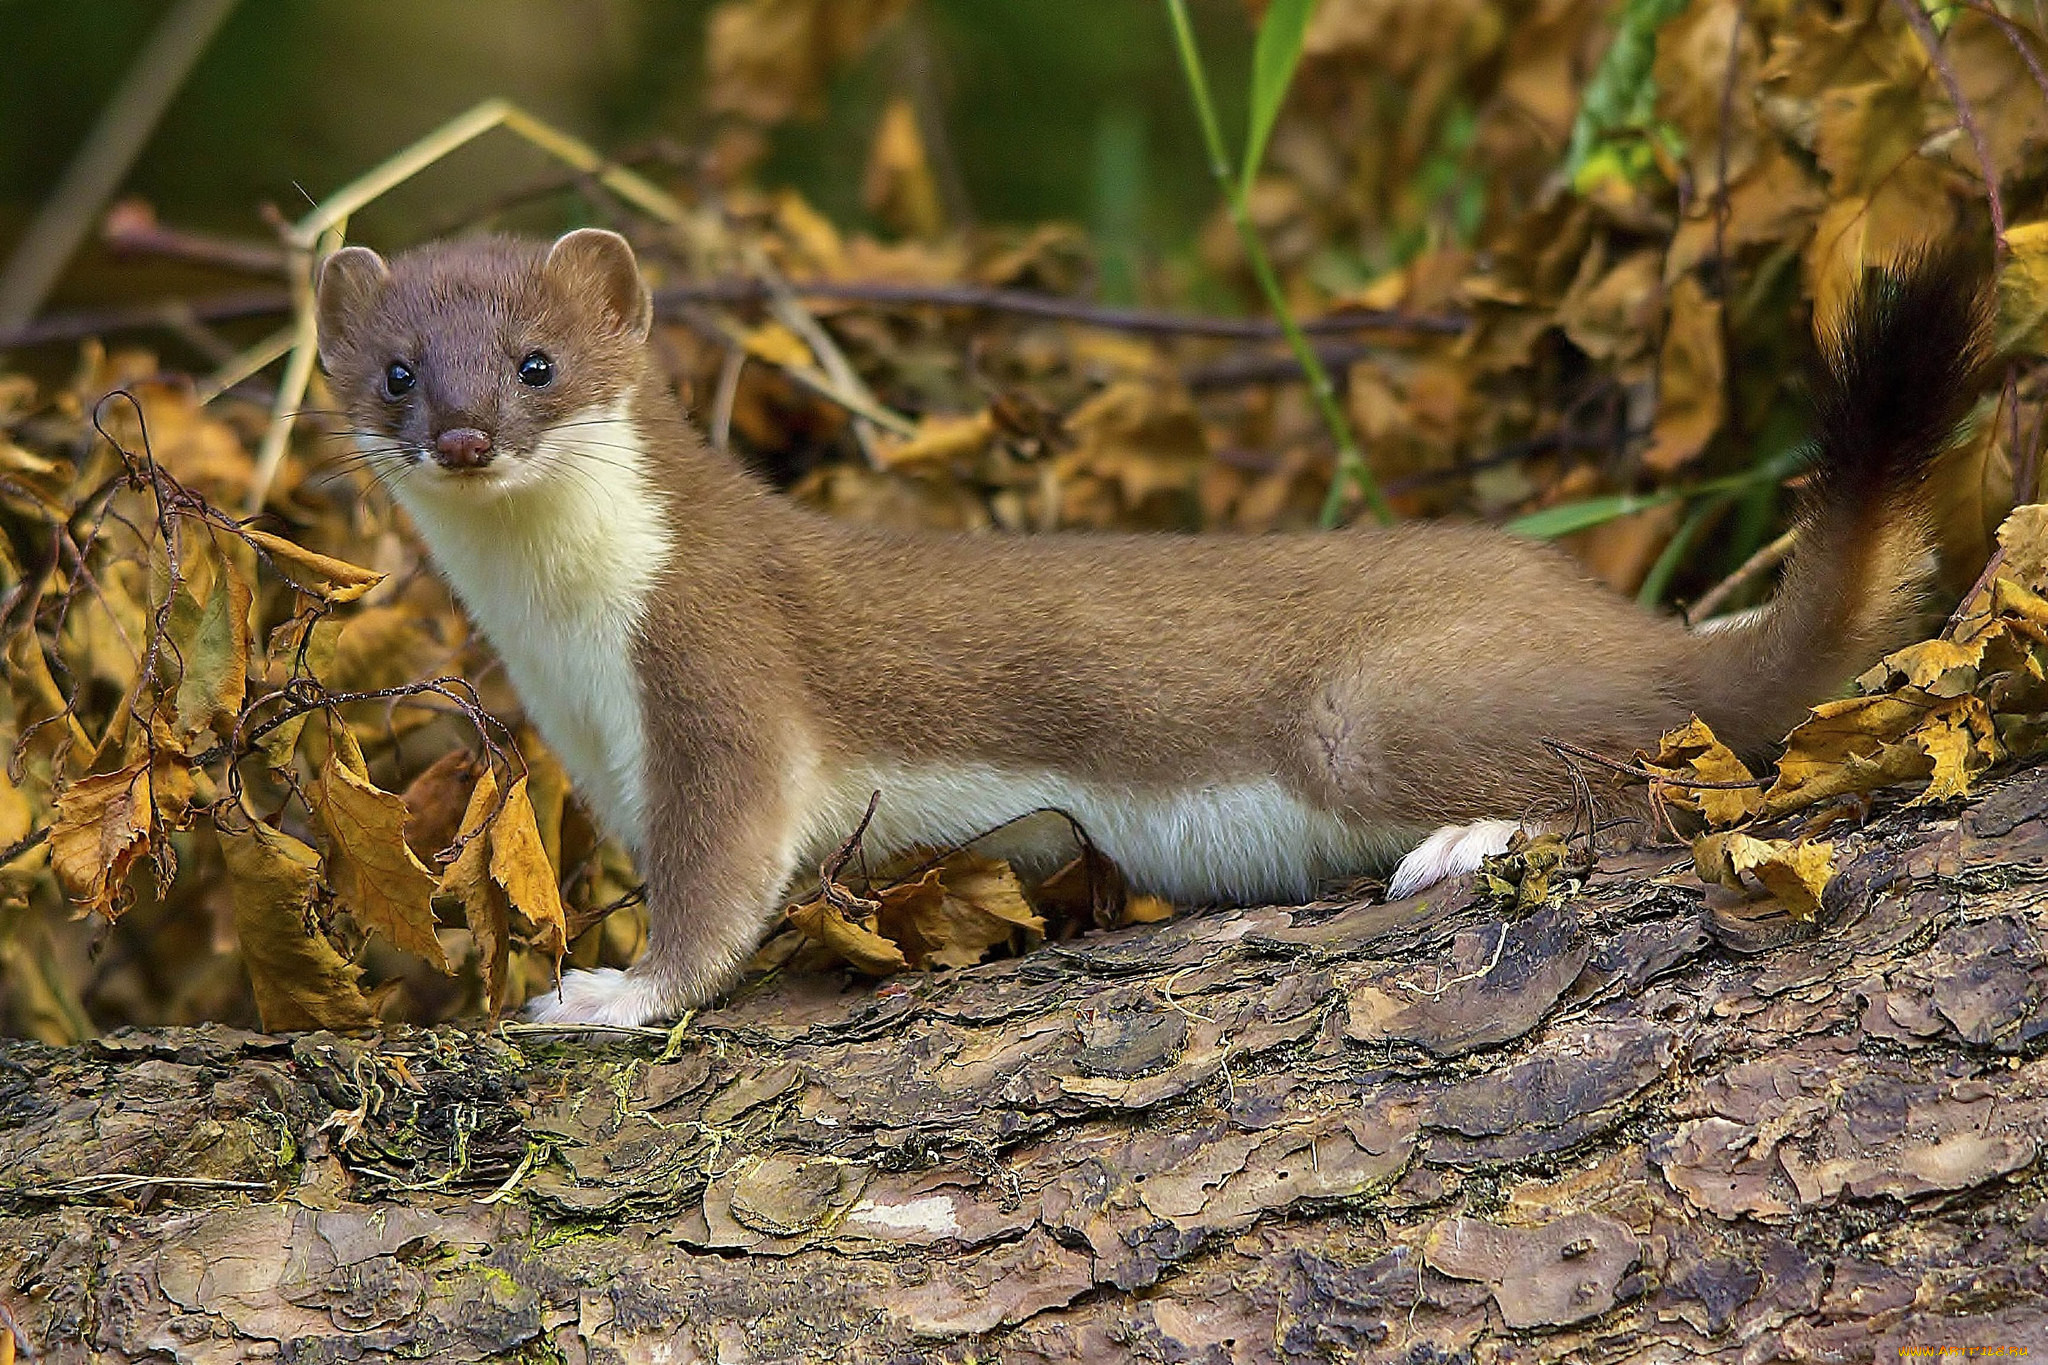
point(1902, 363)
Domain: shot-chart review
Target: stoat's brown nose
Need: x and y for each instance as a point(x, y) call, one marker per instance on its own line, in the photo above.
point(462, 448)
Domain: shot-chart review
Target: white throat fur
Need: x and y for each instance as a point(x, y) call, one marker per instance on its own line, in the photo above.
point(556, 565)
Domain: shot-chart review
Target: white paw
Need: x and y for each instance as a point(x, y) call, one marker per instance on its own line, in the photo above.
point(1448, 852)
point(603, 996)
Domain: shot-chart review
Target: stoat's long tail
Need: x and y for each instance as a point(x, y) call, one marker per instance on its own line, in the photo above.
point(1902, 363)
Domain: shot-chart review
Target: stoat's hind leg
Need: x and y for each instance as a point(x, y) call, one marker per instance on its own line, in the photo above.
point(1450, 851)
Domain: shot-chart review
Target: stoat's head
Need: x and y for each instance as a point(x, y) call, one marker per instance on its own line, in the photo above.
point(467, 368)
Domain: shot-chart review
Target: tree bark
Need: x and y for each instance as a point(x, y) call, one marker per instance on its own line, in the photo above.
point(1633, 1123)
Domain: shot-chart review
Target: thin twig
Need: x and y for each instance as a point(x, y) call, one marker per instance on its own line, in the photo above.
point(817, 381)
point(245, 363)
point(1763, 561)
point(2025, 453)
point(1266, 367)
point(1721, 202)
point(1562, 747)
point(580, 922)
point(726, 396)
point(2016, 35)
point(22, 845)
point(671, 301)
point(1991, 568)
point(782, 301)
point(114, 1181)
point(614, 1030)
point(829, 889)
point(124, 126)
point(78, 324)
point(259, 258)
point(1058, 308)
point(298, 369)
point(1073, 823)
point(1923, 28)
point(131, 229)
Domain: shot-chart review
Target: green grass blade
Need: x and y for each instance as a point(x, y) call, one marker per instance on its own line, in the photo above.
point(1565, 518)
point(1273, 61)
point(1352, 470)
point(1658, 580)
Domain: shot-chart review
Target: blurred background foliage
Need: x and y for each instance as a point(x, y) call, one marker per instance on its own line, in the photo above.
point(1035, 110)
point(1562, 257)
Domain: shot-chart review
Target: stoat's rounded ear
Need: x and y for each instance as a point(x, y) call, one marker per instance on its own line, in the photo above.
point(600, 265)
point(348, 280)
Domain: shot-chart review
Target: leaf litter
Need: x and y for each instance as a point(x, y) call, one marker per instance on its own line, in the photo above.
point(1564, 280)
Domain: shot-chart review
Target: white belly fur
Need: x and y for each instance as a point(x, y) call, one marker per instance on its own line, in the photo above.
point(1239, 841)
point(555, 564)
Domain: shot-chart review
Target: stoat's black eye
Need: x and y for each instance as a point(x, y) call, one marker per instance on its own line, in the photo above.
point(536, 371)
point(398, 379)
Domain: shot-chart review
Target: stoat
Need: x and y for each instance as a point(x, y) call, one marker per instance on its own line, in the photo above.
point(728, 676)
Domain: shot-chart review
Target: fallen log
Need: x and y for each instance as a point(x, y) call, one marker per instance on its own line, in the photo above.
point(1637, 1122)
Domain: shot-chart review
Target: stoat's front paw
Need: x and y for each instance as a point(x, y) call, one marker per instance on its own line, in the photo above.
point(605, 995)
point(1448, 852)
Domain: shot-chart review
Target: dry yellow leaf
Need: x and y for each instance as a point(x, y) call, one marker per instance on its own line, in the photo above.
point(984, 906)
point(1857, 744)
point(17, 817)
point(769, 59)
point(1692, 380)
point(859, 944)
point(2023, 535)
point(504, 867)
point(318, 574)
point(1865, 132)
point(2009, 599)
point(103, 634)
point(436, 801)
point(172, 778)
point(102, 826)
point(36, 695)
point(383, 646)
point(1962, 741)
point(1692, 752)
point(212, 640)
point(953, 915)
point(778, 345)
point(547, 788)
point(519, 863)
point(1907, 209)
point(909, 915)
point(1142, 441)
point(1940, 668)
point(899, 187)
point(1611, 315)
point(1147, 910)
point(300, 981)
point(1795, 874)
point(484, 904)
point(377, 877)
point(2023, 290)
point(812, 237)
point(939, 441)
